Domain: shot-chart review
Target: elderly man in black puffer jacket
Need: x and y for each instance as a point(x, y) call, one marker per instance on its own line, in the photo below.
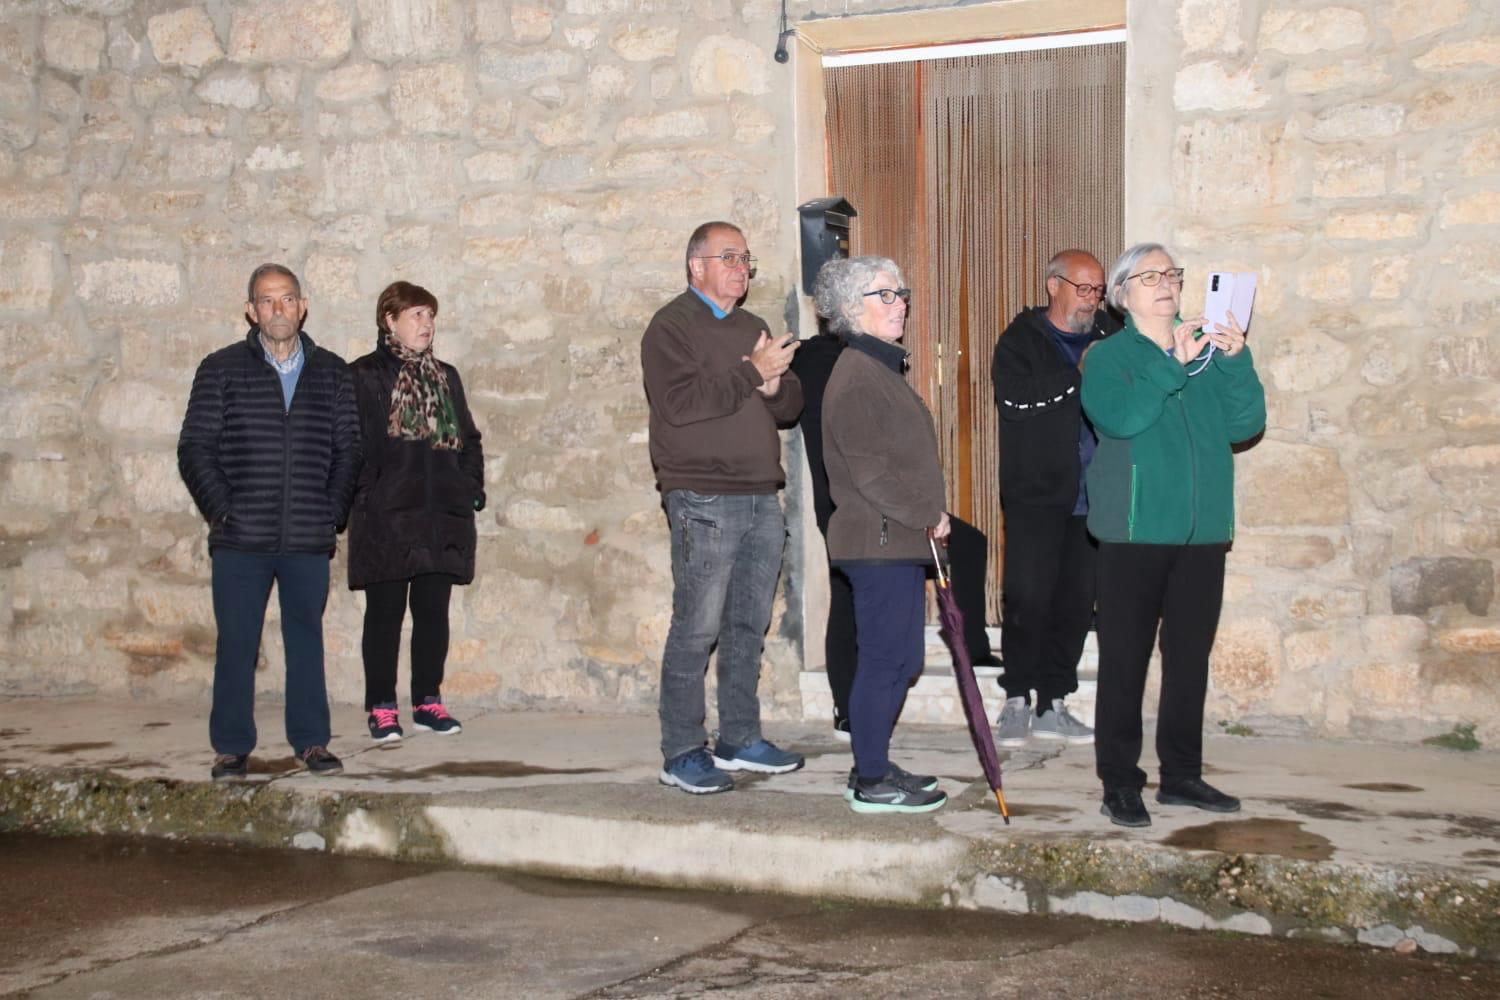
point(269, 450)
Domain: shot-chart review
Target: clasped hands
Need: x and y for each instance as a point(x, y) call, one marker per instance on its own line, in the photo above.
point(772, 358)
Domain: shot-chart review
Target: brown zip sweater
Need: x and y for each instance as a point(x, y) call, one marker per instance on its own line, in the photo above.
point(711, 431)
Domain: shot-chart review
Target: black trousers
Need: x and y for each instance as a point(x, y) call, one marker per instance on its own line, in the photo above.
point(1048, 603)
point(840, 649)
point(385, 609)
point(1180, 588)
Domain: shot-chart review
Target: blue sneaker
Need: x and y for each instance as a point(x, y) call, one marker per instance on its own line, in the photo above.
point(694, 772)
point(898, 775)
point(762, 756)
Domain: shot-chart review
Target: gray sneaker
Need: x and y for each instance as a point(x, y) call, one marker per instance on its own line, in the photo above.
point(1015, 723)
point(1057, 723)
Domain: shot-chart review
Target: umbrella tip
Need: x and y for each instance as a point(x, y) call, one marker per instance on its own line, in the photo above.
point(1004, 811)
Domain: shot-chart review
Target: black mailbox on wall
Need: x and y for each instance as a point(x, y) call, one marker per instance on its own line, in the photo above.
point(825, 235)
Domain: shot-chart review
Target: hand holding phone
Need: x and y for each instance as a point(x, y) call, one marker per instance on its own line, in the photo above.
point(1229, 292)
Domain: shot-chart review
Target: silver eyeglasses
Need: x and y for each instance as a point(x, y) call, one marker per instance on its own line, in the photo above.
point(1153, 278)
point(731, 259)
point(889, 295)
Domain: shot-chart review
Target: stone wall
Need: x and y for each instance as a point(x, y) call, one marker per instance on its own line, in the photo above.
point(538, 166)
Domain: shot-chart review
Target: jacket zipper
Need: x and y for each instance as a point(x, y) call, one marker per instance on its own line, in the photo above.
point(1130, 529)
point(885, 531)
point(1187, 428)
point(286, 453)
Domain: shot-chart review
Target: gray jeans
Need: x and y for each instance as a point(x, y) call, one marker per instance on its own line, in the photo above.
point(726, 556)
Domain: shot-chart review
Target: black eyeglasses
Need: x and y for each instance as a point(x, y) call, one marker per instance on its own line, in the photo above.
point(1153, 278)
point(731, 259)
point(889, 295)
point(1097, 291)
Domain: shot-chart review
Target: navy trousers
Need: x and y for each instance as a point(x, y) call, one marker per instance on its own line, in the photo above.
point(890, 607)
point(241, 587)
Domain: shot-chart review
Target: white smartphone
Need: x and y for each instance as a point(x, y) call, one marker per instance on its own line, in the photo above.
point(1229, 291)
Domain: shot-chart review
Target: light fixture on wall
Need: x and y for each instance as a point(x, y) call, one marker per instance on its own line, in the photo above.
point(781, 53)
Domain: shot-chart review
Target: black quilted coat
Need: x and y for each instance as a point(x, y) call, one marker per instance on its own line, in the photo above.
point(266, 478)
point(414, 505)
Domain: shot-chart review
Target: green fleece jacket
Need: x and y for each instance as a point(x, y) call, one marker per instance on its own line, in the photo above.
point(1164, 472)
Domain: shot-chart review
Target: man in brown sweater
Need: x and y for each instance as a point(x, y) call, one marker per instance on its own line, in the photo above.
point(718, 384)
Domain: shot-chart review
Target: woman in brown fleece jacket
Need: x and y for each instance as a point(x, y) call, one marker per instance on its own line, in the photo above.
point(886, 485)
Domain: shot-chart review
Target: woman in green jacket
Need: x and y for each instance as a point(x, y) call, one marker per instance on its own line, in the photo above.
point(1168, 398)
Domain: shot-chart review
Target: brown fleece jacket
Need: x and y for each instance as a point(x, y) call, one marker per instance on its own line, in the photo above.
point(711, 431)
point(881, 453)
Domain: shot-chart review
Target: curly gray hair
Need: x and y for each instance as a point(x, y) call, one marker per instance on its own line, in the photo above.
point(840, 288)
point(1124, 266)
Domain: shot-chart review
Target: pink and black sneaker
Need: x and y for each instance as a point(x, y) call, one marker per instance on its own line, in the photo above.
point(384, 724)
point(432, 717)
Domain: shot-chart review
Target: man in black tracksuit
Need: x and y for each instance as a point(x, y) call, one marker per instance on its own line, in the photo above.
point(269, 450)
point(1045, 446)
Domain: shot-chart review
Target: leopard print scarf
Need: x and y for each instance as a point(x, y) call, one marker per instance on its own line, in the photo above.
point(421, 405)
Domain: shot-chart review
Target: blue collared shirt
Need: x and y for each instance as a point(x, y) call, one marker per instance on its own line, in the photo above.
point(718, 313)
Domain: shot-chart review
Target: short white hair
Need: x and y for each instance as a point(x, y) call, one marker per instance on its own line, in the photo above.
point(1125, 266)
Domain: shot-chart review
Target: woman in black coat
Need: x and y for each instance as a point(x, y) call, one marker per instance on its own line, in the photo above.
point(411, 531)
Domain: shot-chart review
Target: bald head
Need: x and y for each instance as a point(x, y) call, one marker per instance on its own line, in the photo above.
point(1075, 287)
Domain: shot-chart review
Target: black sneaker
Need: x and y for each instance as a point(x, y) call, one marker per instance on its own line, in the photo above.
point(901, 776)
point(432, 717)
point(890, 796)
point(1197, 793)
point(1124, 807)
point(320, 762)
point(230, 767)
point(384, 723)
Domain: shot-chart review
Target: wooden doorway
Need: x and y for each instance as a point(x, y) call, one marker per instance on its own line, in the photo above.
point(971, 171)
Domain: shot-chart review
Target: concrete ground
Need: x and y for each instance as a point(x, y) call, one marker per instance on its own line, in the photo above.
point(1390, 846)
point(94, 917)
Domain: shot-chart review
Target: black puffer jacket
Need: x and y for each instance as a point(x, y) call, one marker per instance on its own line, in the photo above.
point(269, 479)
point(414, 506)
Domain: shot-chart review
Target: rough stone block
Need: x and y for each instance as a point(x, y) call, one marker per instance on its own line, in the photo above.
point(73, 44)
point(1408, 19)
point(234, 90)
point(1425, 582)
point(668, 127)
point(266, 31)
point(333, 278)
point(1454, 55)
point(352, 83)
point(131, 408)
point(1360, 121)
point(1338, 174)
point(497, 167)
point(26, 275)
point(391, 30)
point(401, 175)
point(266, 158)
point(609, 84)
point(1007, 895)
point(1215, 86)
point(1485, 640)
point(1228, 165)
point(128, 282)
point(1456, 104)
point(1372, 226)
point(153, 484)
point(645, 43)
point(1292, 484)
point(1321, 79)
point(432, 98)
point(49, 201)
point(1479, 209)
point(722, 65)
point(1301, 32)
point(1209, 24)
point(501, 66)
point(530, 24)
point(184, 37)
point(1482, 154)
point(200, 159)
point(1245, 664)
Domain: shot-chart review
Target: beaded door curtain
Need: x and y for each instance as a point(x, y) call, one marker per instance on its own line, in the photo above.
point(971, 173)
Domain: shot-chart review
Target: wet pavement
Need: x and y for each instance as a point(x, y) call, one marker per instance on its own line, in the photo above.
point(1397, 845)
point(113, 918)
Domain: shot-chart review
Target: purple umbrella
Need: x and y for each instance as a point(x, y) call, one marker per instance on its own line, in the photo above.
point(951, 628)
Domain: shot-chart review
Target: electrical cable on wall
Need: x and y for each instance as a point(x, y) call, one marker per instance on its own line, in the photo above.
point(781, 53)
